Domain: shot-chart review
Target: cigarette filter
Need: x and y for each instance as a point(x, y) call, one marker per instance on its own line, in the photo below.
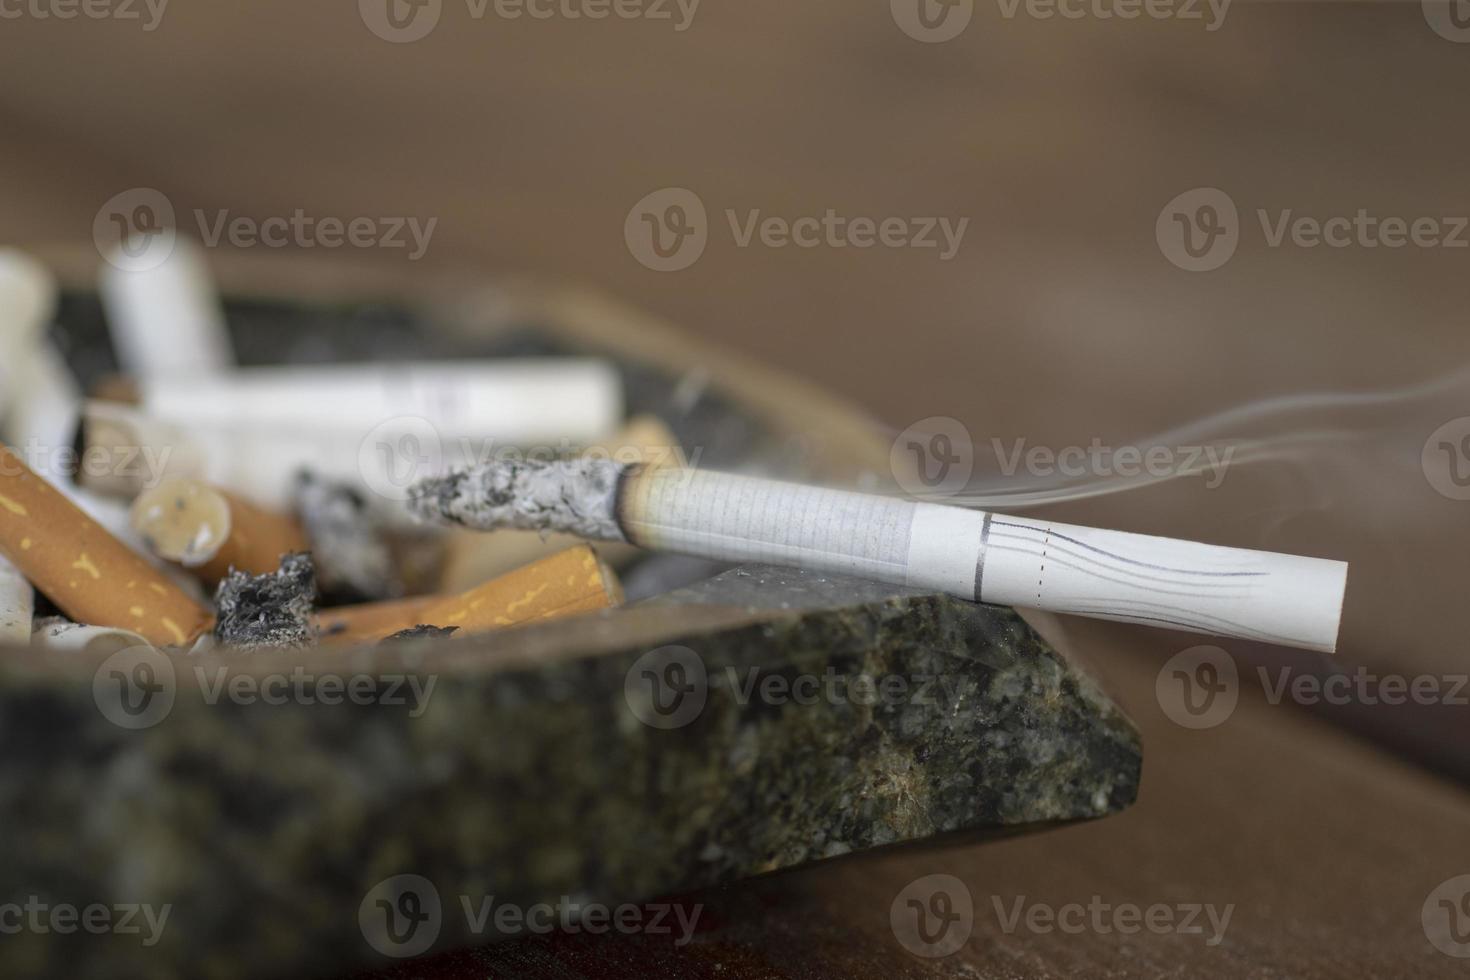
point(167, 320)
point(17, 605)
point(510, 401)
point(1062, 568)
point(212, 531)
point(567, 583)
point(369, 621)
point(88, 573)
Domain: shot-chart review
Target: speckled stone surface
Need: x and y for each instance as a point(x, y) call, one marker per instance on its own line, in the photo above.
point(529, 766)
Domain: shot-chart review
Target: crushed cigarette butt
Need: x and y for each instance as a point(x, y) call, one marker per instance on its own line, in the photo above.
point(271, 611)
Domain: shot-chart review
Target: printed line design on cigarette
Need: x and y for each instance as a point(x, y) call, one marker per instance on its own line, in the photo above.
point(1116, 575)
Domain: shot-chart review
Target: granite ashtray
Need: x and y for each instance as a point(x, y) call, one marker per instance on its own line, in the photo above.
point(813, 716)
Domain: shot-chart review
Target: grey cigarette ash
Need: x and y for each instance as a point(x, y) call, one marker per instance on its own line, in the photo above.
point(420, 633)
point(270, 611)
point(354, 558)
point(575, 496)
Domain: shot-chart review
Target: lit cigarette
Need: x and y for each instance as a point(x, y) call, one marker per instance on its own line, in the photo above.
point(511, 401)
point(17, 605)
point(89, 574)
point(568, 583)
point(1062, 568)
point(472, 558)
point(167, 320)
point(213, 531)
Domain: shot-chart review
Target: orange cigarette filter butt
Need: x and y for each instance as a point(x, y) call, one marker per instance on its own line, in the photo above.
point(93, 577)
point(370, 621)
point(210, 530)
point(564, 584)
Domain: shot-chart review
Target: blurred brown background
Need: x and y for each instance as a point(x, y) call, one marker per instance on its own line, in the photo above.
point(1060, 320)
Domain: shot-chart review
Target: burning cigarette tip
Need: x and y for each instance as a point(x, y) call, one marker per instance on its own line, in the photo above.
point(575, 496)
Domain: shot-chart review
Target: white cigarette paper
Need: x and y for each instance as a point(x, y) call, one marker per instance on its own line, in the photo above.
point(512, 401)
point(166, 321)
point(61, 636)
point(1255, 595)
point(17, 605)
